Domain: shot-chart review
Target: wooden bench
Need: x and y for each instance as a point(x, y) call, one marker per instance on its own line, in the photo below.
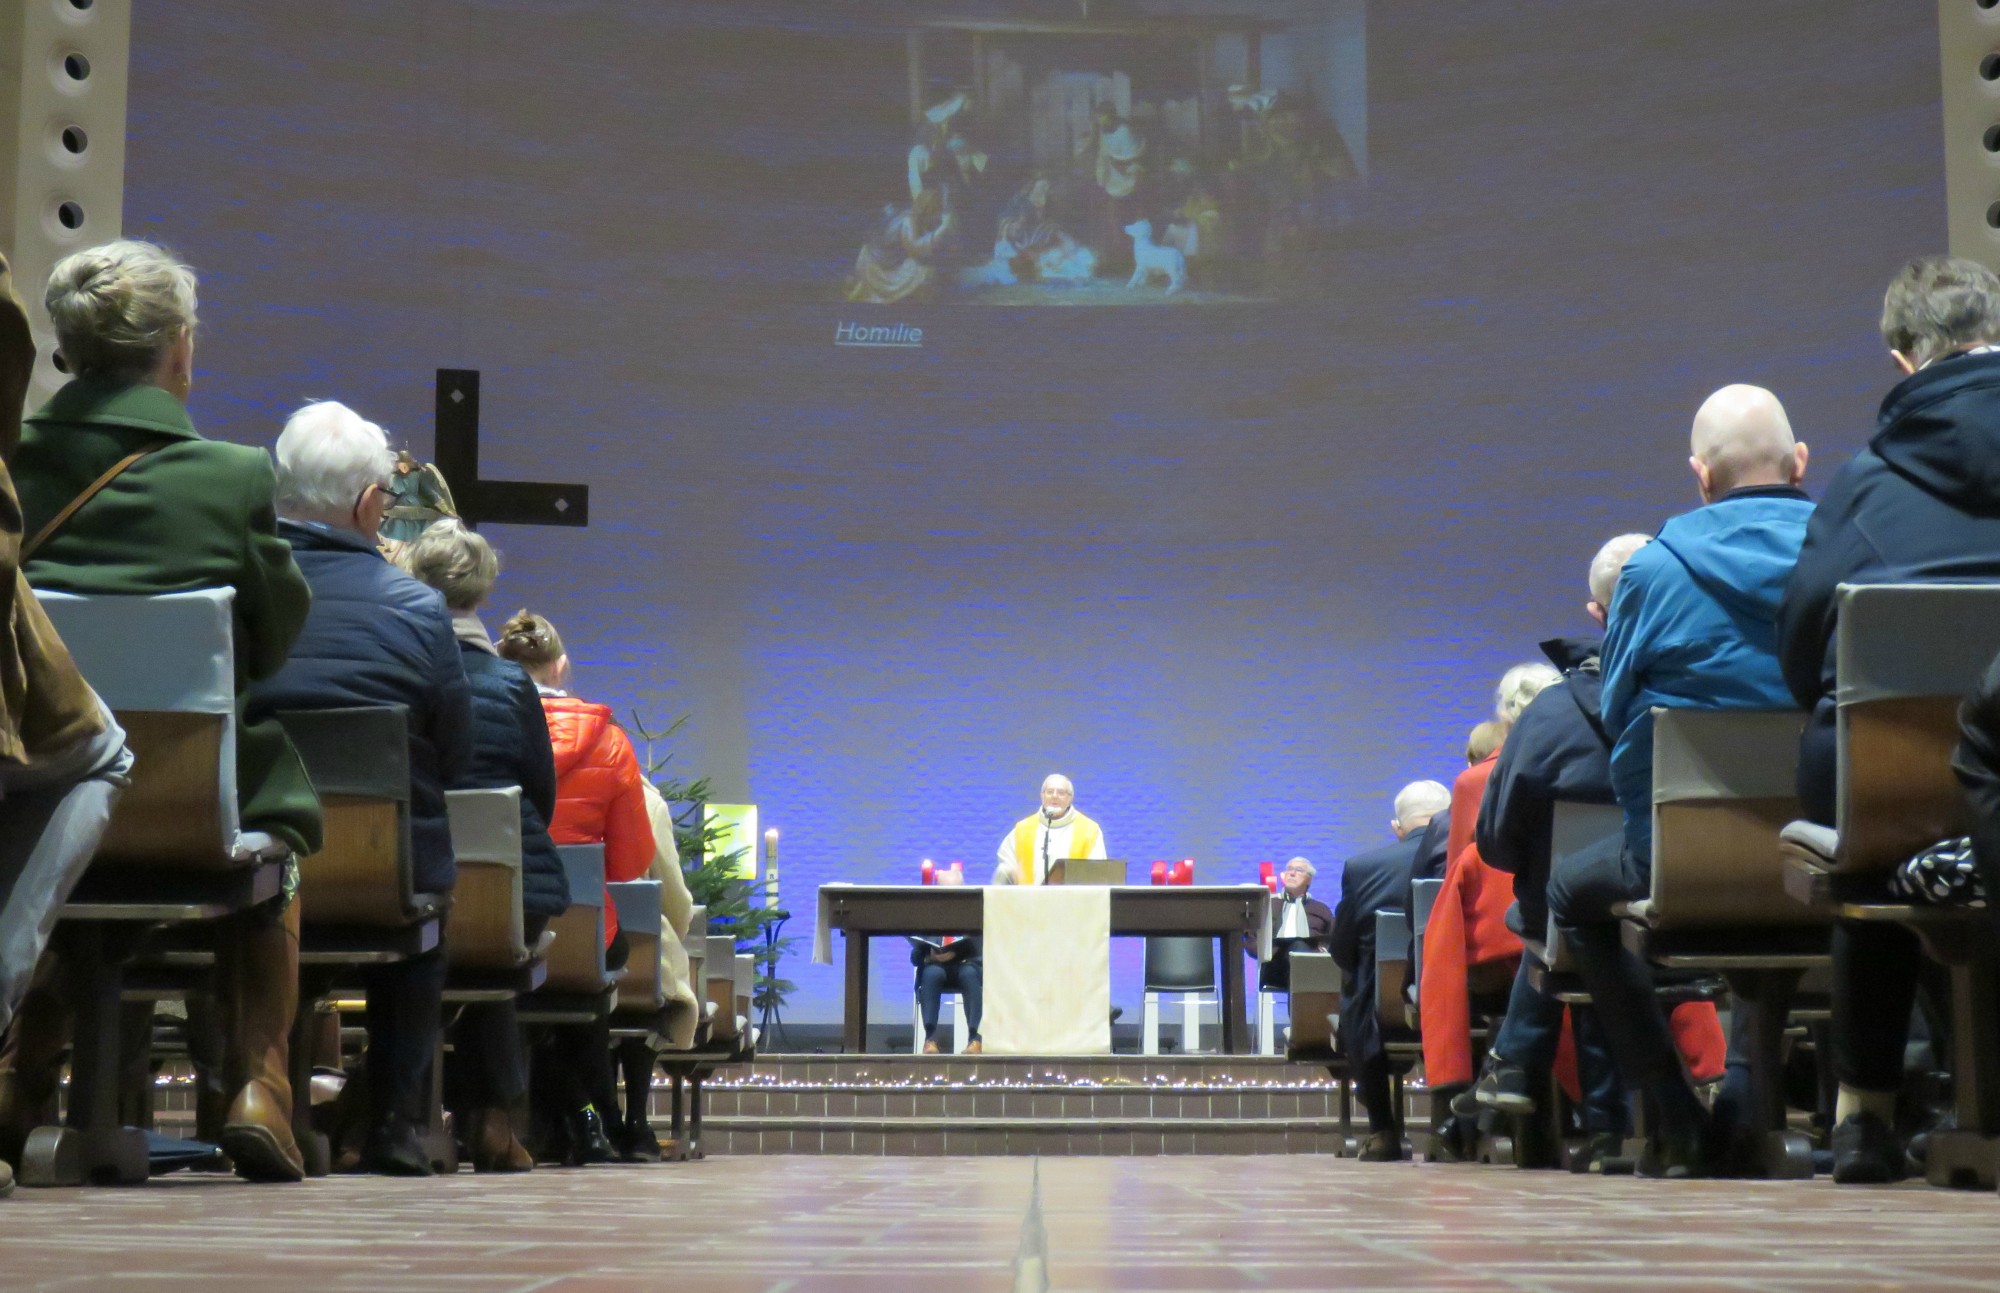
point(488, 956)
point(1904, 656)
point(578, 988)
point(174, 851)
point(1723, 787)
point(359, 905)
point(1316, 987)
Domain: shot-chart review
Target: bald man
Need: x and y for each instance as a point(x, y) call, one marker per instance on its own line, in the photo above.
point(1693, 625)
point(1058, 831)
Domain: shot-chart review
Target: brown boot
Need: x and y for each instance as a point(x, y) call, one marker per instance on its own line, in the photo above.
point(495, 1147)
point(258, 984)
point(31, 1058)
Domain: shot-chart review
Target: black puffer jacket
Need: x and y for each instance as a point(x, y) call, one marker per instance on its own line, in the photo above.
point(510, 747)
point(375, 636)
point(1921, 504)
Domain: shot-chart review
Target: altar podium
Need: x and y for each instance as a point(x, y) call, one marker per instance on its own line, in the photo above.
point(1235, 916)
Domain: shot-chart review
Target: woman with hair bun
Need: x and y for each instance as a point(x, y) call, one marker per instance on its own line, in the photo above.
point(600, 799)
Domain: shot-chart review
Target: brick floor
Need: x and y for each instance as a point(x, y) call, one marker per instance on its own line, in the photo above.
point(809, 1224)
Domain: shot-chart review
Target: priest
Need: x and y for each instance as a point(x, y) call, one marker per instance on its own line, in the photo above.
point(1058, 831)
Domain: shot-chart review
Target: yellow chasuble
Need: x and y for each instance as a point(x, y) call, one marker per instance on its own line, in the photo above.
point(1085, 836)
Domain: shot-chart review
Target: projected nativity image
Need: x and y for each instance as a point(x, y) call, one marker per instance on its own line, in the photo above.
point(1140, 154)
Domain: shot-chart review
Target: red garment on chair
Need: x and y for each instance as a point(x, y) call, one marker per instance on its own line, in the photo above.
point(598, 794)
point(1468, 927)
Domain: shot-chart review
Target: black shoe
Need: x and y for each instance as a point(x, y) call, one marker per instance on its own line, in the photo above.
point(636, 1142)
point(587, 1141)
point(1502, 1088)
point(395, 1149)
point(1603, 1154)
point(1866, 1152)
point(1381, 1147)
point(1680, 1156)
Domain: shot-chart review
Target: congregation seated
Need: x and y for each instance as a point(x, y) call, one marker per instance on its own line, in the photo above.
point(600, 799)
point(1558, 751)
point(1374, 882)
point(1915, 506)
point(1693, 625)
point(374, 636)
point(509, 747)
point(168, 511)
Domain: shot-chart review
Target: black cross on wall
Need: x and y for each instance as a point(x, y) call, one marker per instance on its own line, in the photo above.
point(504, 502)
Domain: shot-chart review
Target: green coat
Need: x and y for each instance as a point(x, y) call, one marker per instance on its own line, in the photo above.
point(194, 514)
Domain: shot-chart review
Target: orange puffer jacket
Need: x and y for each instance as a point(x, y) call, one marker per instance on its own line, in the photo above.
point(599, 799)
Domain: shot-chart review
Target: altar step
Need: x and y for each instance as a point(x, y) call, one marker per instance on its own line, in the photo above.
point(992, 1105)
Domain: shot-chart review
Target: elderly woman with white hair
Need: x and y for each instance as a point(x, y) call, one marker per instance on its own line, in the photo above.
point(1468, 949)
point(376, 636)
point(122, 496)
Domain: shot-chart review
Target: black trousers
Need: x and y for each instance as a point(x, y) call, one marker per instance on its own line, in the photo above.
point(405, 1014)
point(1584, 887)
point(1876, 970)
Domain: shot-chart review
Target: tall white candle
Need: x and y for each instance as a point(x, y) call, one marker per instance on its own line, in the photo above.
point(771, 867)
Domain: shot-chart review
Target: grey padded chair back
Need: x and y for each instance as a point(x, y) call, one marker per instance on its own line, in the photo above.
point(1423, 896)
point(1575, 827)
point(638, 905)
point(576, 958)
point(1180, 965)
point(1394, 972)
point(359, 762)
point(1724, 785)
point(1905, 656)
point(166, 666)
point(487, 930)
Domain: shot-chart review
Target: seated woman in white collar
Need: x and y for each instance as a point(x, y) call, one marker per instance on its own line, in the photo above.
point(1058, 831)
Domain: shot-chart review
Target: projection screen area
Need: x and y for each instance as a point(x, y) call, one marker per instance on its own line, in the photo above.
point(1207, 399)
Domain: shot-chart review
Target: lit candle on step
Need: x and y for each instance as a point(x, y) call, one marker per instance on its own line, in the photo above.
point(771, 867)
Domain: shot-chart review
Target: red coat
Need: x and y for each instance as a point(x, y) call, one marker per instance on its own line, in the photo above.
point(1468, 927)
point(599, 794)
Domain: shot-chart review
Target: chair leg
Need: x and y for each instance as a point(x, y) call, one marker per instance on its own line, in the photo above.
point(91, 1148)
point(1149, 1027)
point(916, 1027)
point(1267, 1023)
point(1766, 997)
point(1190, 1023)
point(961, 1035)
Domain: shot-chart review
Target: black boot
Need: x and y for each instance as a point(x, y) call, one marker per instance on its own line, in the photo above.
point(587, 1141)
point(395, 1149)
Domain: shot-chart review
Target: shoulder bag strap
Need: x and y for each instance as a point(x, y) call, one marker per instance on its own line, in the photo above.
point(90, 491)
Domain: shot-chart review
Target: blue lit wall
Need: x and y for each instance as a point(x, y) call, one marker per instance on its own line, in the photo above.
point(1239, 570)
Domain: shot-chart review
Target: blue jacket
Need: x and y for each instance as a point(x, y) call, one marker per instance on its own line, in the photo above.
point(1694, 625)
point(375, 636)
point(510, 747)
point(1920, 504)
point(1374, 882)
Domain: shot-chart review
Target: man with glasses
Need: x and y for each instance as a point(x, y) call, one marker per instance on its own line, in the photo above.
point(376, 636)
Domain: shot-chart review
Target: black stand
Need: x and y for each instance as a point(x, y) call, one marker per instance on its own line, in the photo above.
point(770, 1025)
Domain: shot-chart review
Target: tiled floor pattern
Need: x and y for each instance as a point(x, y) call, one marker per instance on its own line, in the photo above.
point(829, 1225)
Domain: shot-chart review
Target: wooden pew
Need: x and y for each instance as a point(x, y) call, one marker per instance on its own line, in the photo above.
point(174, 852)
point(1905, 655)
point(578, 987)
point(489, 957)
point(359, 906)
point(1316, 987)
point(1723, 787)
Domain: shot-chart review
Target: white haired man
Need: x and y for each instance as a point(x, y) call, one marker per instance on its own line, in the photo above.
point(1304, 924)
point(1057, 832)
point(1374, 882)
point(376, 636)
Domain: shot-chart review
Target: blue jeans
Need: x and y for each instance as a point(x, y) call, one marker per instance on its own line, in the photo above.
point(934, 980)
point(1529, 1035)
